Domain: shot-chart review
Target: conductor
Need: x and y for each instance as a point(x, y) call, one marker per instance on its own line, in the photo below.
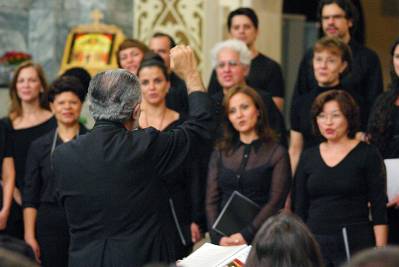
point(108, 180)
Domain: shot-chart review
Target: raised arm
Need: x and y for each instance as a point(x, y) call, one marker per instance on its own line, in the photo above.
point(171, 147)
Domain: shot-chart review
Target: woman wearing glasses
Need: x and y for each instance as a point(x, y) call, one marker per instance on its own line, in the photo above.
point(337, 180)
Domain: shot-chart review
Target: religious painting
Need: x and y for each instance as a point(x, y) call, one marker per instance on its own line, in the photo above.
point(90, 48)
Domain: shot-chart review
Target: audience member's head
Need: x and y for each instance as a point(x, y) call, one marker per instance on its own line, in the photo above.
point(231, 59)
point(114, 95)
point(338, 18)
point(15, 253)
point(284, 241)
point(130, 53)
point(242, 24)
point(29, 84)
point(382, 257)
point(162, 43)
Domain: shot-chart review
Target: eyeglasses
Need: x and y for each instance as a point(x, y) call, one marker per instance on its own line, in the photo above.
point(334, 17)
point(230, 63)
point(323, 117)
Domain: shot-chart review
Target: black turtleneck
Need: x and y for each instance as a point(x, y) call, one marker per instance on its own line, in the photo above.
point(301, 119)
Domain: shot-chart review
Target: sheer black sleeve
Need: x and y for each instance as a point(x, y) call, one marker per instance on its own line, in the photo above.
point(213, 194)
point(280, 186)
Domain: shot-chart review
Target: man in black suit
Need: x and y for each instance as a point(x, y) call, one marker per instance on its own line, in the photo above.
point(108, 180)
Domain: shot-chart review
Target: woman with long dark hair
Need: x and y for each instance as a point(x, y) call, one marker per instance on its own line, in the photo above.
point(248, 160)
point(184, 190)
point(383, 131)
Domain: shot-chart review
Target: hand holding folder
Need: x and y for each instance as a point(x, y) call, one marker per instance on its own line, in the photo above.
point(238, 213)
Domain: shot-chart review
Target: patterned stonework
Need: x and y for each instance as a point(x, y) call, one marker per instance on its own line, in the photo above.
point(184, 20)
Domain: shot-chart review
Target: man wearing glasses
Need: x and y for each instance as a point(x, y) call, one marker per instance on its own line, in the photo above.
point(338, 18)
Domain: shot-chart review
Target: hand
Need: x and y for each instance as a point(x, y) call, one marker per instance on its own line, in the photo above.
point(182, 60)
point(233, 240)
point(226, 241)
point(32, 242)
point(394, 202)
point(238, 239)
point(184, 64)
point(3, 219)
point(195, 233)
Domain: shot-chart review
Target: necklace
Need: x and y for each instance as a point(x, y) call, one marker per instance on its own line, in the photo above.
point(159, 127)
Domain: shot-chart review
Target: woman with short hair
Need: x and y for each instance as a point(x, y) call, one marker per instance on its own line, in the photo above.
point(46, 229)
point(130, 53)
point(336, 180)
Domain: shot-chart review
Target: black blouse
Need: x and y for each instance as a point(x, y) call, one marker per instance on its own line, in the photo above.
point(21, 140)
point(39, 178)
point(261, 171)
point(326, 198)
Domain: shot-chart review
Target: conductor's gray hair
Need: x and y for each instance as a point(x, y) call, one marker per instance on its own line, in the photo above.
point(113, 94)
point(236, 45)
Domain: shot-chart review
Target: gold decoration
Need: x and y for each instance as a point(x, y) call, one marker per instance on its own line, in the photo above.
point(92, 46)
point(183, 20)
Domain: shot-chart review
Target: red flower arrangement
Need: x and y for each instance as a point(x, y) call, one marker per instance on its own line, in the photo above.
point(14, 57)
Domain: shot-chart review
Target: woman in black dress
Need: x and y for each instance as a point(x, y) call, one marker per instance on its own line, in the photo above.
point(247, 160)
point(29, 118)
point(383, 132)
point(183, 187)
point(46, 229)
point(336, 180)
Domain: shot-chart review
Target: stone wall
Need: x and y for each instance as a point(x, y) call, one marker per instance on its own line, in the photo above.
point(40, 27)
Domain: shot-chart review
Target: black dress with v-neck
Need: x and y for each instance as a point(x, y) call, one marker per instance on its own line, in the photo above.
point(328, 197)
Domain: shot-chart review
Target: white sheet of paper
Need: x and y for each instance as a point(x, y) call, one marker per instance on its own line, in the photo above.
point(392, 166)
point(211, 255)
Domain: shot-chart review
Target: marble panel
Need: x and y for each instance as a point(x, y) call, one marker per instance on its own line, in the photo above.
point(13, 29)
point(42, 39)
